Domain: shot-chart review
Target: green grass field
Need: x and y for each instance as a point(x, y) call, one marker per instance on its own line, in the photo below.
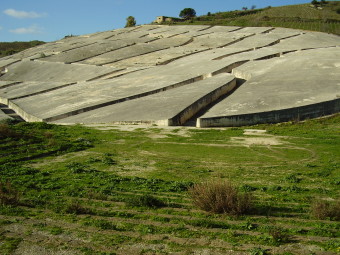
point(105, 190)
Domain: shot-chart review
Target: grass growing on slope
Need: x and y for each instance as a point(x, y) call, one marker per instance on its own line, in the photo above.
point(326, 18)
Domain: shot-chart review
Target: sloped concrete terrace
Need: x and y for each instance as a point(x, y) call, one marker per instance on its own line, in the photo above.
point(166, 75)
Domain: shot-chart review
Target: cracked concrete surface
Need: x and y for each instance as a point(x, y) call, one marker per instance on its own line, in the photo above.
point(155, 74)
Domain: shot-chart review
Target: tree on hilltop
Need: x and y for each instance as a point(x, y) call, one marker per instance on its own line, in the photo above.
point(187, 13)
point(130, 21)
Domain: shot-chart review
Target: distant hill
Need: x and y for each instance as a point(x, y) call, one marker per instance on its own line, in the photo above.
point(10, 48)
point(325, 18)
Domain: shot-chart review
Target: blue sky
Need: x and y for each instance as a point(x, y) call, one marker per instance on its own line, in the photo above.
point(47, 20)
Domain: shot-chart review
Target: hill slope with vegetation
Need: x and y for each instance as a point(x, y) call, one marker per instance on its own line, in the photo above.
point(10, 48)
point(323, 18)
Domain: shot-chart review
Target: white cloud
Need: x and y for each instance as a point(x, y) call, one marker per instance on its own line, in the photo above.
point(23, 14)
point(34, 29)
point(0, 27)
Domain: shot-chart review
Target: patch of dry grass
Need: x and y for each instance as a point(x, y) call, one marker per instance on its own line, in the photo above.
point(220, 197)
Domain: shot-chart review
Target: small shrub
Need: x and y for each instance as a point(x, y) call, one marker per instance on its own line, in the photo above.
point(248, 225)
point(220, 197)
point(146, 201)
point(7, 132)
point(322, 210)
point(92, 194)
point(279, 236)
point(8, 194)
point(74, 207)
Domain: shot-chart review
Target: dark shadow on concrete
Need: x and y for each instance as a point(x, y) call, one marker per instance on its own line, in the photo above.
point(192, 121)
point(10, 113)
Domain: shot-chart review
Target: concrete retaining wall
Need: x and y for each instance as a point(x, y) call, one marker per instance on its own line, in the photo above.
point(299, 113)
point(190, 111)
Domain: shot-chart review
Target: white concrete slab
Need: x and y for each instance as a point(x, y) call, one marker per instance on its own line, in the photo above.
point(171, 107)
point(140, 64)
point(295, 80)
point(53, 72)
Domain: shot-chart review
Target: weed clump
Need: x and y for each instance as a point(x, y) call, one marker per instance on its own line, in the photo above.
point(278, 236)
point(220, 197)
point(146, 201)
point(74, 207)
point(78, 168)
point(323, 210)
point(258, 251)
point(7, 132)
point(8, 194)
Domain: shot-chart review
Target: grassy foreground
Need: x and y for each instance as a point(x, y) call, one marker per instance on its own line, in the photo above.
point(79, 190)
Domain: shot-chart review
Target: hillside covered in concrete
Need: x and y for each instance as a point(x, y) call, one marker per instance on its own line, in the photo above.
point(172, 75)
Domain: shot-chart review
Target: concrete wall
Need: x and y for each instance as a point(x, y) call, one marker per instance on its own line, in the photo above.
point(190, 111)
point(299, 113)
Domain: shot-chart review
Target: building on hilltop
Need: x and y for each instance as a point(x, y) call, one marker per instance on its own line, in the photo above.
point(163, 19)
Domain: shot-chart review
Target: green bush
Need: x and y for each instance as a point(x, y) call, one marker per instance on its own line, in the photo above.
point(220, 197)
